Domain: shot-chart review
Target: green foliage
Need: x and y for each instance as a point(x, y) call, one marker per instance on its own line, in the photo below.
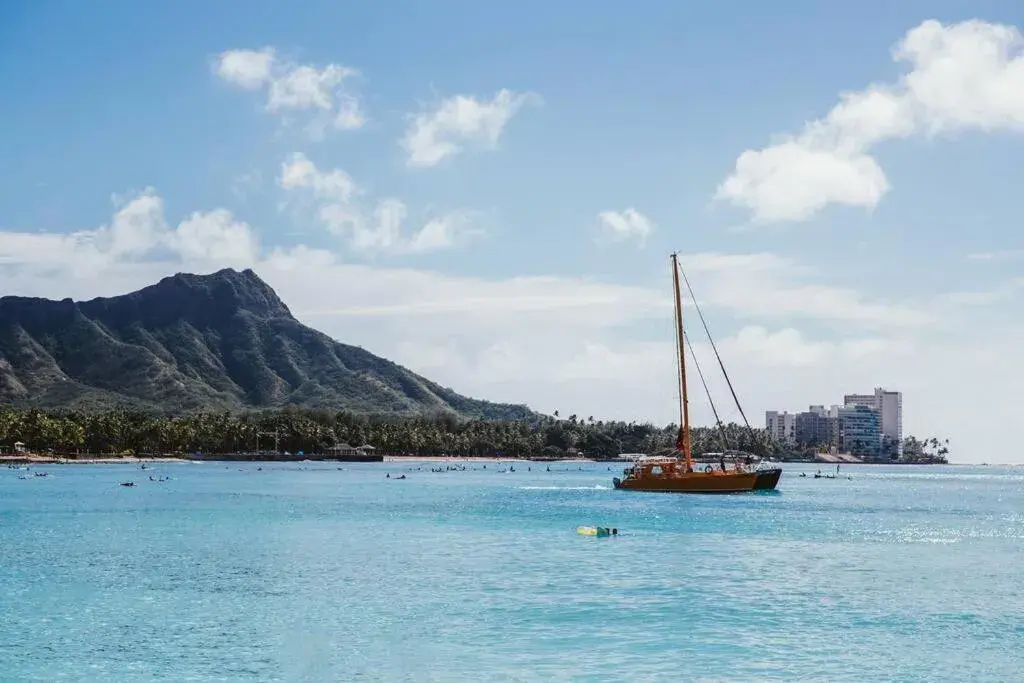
point(929, 450)
point(313, 431)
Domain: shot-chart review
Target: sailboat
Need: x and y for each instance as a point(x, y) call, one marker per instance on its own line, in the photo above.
point(676, 473)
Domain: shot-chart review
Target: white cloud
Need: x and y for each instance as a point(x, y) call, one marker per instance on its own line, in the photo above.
point(298, 87)
point(249, 69)
point(446, 232)
point(771, 287)
point(349, 114)
point(417, 294)
point(1001, 255)
point(306, 87)
point(383, 231)
point(794, 182)
point(377, 231)
point(215, 236)
point(44, 251)
point(627, 224)
point(964, 76)
point(459, 121)
point(986, 297)
point(298, 258)
point(298, 172)
point(596, 361)
point(138, 227)
point(138, 233)
point(788, 347)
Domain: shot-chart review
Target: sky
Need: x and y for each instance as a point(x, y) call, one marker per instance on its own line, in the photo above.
point(489, 194)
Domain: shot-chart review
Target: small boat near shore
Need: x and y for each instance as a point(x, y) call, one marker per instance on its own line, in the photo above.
point(676, 473)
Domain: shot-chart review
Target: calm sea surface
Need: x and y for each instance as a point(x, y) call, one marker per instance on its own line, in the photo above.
point(308, 572)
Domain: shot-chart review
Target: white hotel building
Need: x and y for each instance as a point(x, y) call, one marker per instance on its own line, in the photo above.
point(845, 426)
point(889, 405)
point(781, 425)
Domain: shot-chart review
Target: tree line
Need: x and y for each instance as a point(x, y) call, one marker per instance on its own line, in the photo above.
point(294, 430)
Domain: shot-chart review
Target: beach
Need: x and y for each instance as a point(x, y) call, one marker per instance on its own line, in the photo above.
point(33, 459)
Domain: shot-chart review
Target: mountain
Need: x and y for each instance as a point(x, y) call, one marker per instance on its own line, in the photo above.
point(219, 341)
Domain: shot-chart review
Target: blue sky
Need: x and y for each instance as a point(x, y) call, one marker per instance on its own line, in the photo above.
point(817, 281)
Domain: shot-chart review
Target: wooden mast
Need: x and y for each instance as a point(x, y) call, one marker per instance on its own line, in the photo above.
point(683, 443)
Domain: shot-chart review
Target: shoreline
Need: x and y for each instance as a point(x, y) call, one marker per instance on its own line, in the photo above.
point(31, 459)
point(27, 459)
point(480, 458)
point(85, 460)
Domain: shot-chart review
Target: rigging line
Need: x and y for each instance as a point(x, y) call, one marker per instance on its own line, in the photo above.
point(756, 436)
point(713, 346)
point(711, 401)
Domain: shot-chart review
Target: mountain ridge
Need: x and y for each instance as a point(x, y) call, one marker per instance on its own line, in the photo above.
point(223, 340)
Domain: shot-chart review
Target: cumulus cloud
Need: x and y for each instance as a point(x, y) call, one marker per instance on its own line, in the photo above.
point(629, 224)
point(215, 236)
point(296, 87)
point(249, 69)
point(963, 76)
point(381, 230)
point(460, 121)
point(298, 172)
point(138, 232)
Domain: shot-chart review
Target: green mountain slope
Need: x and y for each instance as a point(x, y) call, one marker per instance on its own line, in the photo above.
point(223, 340)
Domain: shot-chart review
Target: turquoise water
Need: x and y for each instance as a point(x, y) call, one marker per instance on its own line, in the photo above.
point(304, 572)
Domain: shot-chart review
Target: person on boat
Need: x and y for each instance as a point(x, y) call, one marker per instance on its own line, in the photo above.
point(615, 532)
point(721, 461)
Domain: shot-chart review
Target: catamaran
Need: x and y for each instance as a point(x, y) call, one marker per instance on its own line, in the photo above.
point(676, 473)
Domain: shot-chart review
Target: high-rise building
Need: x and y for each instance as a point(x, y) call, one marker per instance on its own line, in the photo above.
point(860, 430)
point(815, 427)
point(889, 405)
point(781, 426)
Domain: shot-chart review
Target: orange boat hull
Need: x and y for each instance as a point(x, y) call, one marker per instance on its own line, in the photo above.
point(690, 482)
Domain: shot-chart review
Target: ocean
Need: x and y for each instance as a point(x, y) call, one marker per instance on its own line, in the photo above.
point(332, 572)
